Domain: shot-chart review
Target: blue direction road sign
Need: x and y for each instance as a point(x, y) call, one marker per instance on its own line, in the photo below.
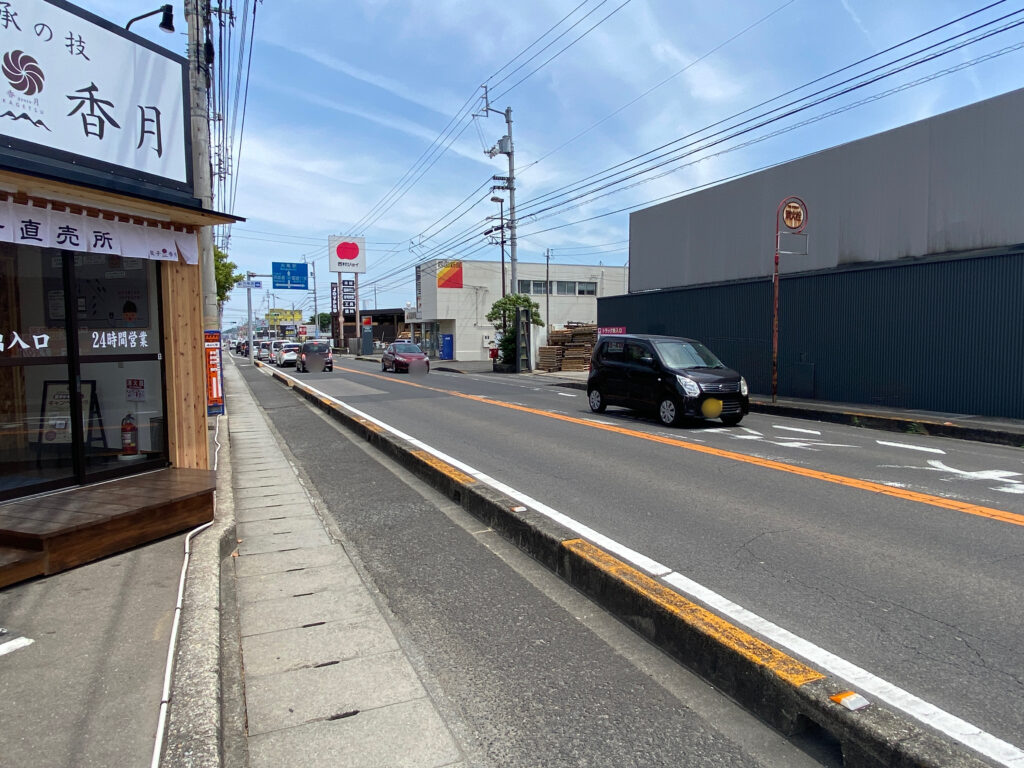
point(290, 276)
point(253, 284)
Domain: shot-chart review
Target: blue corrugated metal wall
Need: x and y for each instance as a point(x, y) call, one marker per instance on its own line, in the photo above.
point(940, 335)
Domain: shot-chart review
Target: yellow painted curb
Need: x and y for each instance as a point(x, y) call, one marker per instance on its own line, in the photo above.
point(702, 620)
point(444, 467)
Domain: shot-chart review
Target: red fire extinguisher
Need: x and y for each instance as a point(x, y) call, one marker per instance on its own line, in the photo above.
point(129, 436)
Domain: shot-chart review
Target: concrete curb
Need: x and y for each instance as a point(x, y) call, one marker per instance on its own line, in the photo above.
point(874, 737)
point(894, 423)
point(194, 723)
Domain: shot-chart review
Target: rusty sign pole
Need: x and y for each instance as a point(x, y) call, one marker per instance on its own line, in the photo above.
point(791, 213)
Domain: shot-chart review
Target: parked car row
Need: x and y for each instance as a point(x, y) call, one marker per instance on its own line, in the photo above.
point(314, 355)
point(673, 377)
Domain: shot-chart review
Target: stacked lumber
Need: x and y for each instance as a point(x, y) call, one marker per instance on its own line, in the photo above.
point(584, 334)
point(574, 345)
point(550, 358)
point(577, 357)
point(560, 338)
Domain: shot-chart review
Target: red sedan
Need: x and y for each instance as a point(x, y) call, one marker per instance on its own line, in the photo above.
point(403, 356)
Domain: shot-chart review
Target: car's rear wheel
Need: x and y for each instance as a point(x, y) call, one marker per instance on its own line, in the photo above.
point(596, 400)
point(668, 412)
point(732, 419)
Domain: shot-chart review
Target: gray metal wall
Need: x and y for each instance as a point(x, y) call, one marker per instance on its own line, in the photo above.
point(943, 335)
point(949, 183)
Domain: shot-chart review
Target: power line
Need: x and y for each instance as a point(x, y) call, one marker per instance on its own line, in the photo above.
point(563, 50)
point(448, 136)
point(753, 123)
point(653, 88)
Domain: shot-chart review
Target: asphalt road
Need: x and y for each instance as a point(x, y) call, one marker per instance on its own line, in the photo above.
point(900, 554)
point(525, 670)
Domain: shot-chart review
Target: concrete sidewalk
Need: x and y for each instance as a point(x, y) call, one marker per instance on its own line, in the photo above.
point(315, 645)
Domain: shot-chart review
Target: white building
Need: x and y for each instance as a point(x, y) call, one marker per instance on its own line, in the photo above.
point(454, 297)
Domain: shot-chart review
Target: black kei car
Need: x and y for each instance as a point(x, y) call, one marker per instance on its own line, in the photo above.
point(674, 377)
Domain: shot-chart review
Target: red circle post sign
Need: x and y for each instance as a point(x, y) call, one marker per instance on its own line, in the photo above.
point(347, 250)
point(347, 254)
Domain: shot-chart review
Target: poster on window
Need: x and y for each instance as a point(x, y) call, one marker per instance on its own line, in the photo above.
point(55, 418)
point(112, 292)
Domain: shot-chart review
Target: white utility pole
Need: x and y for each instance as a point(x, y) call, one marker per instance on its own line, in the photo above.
point(196, 12)
point(505, 147)
point(547, 293)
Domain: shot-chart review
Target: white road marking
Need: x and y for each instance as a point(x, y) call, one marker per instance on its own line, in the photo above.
point(750, 431)
point(15, 644)
point(911, 447)
point(1011, 488)
point(1007, 476)
point(970, 735)
point(565, 394)
point(793, 443)
point(995, 748)
point(796, 429)
point(983, 474)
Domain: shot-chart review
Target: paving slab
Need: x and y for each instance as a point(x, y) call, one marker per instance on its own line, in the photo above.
point(301, 696)
point(278, 525)
point(278, 562)
point(271, 512)
point(406, 735)
point(255, 545)
point(351, 606)
point(268, 500)
point(300, 647)
point(270, 586)
point(287, 490)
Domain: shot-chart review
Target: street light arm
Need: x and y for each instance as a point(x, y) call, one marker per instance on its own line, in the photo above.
point(166, 23)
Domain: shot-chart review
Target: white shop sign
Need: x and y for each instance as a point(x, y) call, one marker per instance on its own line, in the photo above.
point(73, 84)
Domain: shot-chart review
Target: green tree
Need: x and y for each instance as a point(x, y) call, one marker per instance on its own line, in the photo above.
point(225, 273)
point(324, 320)
point(503, 315)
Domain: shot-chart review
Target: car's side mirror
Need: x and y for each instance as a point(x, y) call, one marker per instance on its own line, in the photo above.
point(647, 360)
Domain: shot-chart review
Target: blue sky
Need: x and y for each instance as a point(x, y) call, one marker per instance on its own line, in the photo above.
point(345, 97)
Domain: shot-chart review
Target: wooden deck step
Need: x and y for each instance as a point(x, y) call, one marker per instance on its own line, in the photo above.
point(20, 564)
point(73, 527)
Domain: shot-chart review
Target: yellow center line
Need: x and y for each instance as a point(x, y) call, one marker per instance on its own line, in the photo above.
point(828, 477)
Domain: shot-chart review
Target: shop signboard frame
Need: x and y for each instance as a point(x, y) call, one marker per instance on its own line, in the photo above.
point(77, 117)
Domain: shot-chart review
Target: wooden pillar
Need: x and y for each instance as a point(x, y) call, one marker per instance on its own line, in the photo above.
point(184, 365)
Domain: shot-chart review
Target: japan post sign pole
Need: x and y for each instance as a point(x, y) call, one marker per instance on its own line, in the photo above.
point(214, 380)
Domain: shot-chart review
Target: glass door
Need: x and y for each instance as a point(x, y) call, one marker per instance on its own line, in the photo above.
point(118, 355)
point(38, 412)
point(81, 368)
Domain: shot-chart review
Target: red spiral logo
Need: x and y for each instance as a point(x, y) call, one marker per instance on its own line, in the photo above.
point(23, 72)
